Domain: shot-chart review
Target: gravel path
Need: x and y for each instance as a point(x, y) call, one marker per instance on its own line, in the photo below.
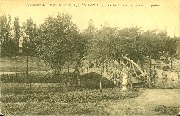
point(144, 104)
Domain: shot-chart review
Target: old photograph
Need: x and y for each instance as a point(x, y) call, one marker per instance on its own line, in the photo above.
point(93, 57)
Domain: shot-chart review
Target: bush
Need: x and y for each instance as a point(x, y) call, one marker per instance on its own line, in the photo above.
point(167, 84)
point(92, 80)
point(32, 77)
point(87, 81)
point(166, 110)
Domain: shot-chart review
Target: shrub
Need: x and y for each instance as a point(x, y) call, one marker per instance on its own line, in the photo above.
point(166, 110)
point(92, 80)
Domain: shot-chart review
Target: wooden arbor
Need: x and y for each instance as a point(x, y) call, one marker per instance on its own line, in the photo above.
point(135, 79)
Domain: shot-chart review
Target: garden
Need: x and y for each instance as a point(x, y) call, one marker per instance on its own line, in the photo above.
point(54, 69)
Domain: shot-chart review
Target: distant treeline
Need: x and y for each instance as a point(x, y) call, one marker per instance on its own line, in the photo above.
point(58, 41)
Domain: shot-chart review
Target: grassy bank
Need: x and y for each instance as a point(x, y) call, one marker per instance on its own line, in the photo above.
point(19, 64)
point(65, 103)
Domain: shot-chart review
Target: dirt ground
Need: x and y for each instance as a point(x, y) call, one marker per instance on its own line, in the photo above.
point(145, 103)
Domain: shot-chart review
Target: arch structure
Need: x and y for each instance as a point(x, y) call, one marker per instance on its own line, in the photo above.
point(118, 72)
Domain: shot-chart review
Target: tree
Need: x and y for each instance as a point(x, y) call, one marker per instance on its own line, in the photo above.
point(99, 50)
point(126, 43)
point(171, 49)
point(7, 45)
point(31, 31)
point(135, 44)
point(89, 36)
point(59, 42)
point(17, 34)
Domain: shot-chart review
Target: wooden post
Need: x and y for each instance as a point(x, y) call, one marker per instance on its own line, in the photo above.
point(125, 80)
point(16, 71)
point(27, 70)
point(68, 68)
point(130, 76)
point(100, 82)
point(154, 76)
point(171, 62)
point(68, 78)
point(150, 72)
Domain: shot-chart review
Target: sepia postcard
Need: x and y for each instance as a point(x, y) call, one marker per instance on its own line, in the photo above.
point(90, 57)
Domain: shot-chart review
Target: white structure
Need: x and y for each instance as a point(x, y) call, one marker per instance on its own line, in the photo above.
point(20, 41)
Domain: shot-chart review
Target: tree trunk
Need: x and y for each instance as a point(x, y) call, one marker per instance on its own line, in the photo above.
point(77, 72)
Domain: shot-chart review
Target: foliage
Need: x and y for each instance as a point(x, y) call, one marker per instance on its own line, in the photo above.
point(47, 108)
point(91, 81)
point(155, 44)
point(69, 97)
point(138, 45)
point(59, 41)
point(125, 43)
point(167, 110)
point(55, 102)
point(165, 83)
point(114, 43)
point(16, 35)
point(88, 81)
point(30, 32)
point(7, 43)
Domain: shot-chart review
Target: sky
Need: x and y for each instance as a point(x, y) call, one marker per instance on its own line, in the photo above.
point(147, 14)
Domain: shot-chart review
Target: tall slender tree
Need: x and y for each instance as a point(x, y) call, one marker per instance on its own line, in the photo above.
point(31, 31)
point(17, 34)
point(7, 46)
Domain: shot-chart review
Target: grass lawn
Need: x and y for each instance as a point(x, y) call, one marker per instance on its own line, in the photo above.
point(19, 64)
point(87, 102)
point(49, 97)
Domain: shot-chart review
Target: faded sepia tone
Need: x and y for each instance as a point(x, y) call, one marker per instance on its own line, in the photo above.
point(93, 57)
point(166, 16)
